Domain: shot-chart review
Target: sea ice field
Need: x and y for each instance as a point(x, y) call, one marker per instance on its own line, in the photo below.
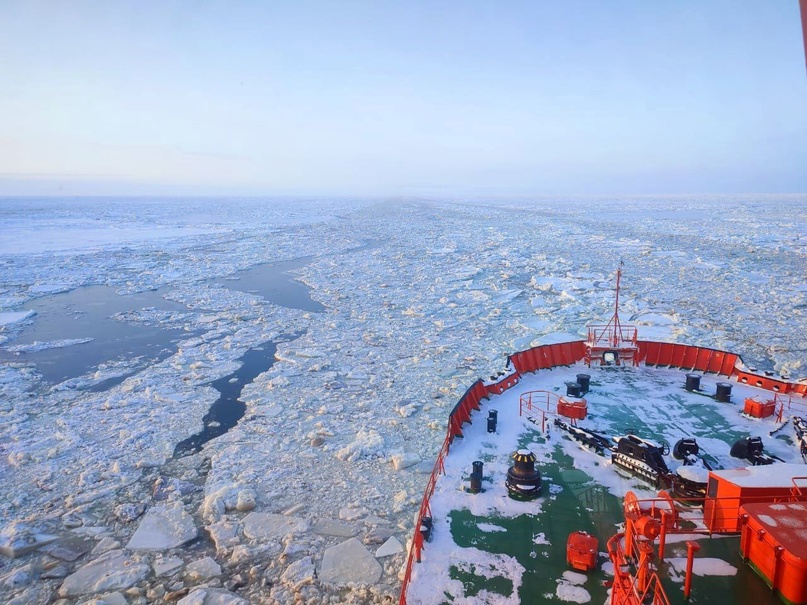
point(306, 353)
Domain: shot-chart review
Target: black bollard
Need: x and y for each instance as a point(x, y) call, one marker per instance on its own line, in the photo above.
point(476, 483)
point(426, 528)
point(584, 380)
point(573, 389)
point(493, 416)
point(523, 479)
point(723, 392)
point(693, 382)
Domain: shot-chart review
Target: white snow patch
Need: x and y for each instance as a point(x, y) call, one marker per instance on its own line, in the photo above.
point(368, 442)
point(571, 593)
point(572, 577)
point(768, 520)
point(489, 527)
point(53, 344)
point(702, 566)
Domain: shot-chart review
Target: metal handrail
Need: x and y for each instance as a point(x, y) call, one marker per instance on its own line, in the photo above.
point(612, 335)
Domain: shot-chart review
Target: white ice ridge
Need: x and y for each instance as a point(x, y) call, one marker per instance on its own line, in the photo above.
point(53, 344)
point(10, 317)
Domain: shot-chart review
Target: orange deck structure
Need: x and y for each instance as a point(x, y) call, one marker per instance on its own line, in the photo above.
point(617, 344)
point(772, 541)
point(581, 551)
point(574, 409)
point(730, 489)
point(759, 409)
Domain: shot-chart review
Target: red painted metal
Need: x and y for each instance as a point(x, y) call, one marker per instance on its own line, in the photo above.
point(689, 356)
point(665, 354)
point(772, 540)
point(581, 551)
point(632, 555)
point(649, 352)
point(803, 6)
point(704, 357)
point(692, 548)
point(727, 494)
point(759, 409)
point(662, 537)
point(764, 382)
point(626, 589)
point(612, 337)
point(574, 410)
point(546, 403)
point(546, 356)
point(716, 362)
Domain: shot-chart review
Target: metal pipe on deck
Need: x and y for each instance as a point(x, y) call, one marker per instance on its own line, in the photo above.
point(692, 548)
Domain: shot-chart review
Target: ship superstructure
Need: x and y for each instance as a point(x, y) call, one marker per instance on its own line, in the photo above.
point(606, 468)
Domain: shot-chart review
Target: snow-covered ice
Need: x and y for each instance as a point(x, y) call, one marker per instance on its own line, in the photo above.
point(10, 317)
point(349, 563)
point(111, 571)
point(162, 528)
point(420, 299)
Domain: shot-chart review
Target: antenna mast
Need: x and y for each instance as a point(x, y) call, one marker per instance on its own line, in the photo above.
point(613, 343)
point(615, 320)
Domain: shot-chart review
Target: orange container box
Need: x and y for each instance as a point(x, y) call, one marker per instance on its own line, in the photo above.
point(729, 489)
point(576, 409)
point(774, 543)
point(581, 551)
point(759, 409)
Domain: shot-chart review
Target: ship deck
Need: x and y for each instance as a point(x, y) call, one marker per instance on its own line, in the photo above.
point(490, 548)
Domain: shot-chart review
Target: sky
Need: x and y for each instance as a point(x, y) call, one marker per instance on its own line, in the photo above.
point(401, 98)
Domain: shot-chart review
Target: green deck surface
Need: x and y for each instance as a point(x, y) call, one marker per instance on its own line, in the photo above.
point(582, 504)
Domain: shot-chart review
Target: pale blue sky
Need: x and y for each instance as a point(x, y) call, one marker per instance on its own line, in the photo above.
point(402, 98)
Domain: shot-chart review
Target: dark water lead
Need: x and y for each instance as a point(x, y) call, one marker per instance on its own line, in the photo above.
point(88, 312)
point(275, 283)
point(228, 409)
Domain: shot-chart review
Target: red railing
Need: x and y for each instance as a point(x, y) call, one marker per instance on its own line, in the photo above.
point(568, 353)
point(543, 403)
point(456, 419)
point(649, 521)
point(713, 361)
point(608, 335)
point(629, 589)
point(540, 401)
point(795, 491)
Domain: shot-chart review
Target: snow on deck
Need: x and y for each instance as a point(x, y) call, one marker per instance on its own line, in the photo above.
point(773, 475)
point(649, 401)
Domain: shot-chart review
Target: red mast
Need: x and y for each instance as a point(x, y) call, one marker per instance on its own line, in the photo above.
point(612, 343)
point(803, 6)
point(617, 326)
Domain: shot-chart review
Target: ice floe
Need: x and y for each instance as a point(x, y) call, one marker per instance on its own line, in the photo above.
point(415, 306)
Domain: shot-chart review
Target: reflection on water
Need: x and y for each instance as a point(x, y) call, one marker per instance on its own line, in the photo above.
point(273, 282)
point(87, 313)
